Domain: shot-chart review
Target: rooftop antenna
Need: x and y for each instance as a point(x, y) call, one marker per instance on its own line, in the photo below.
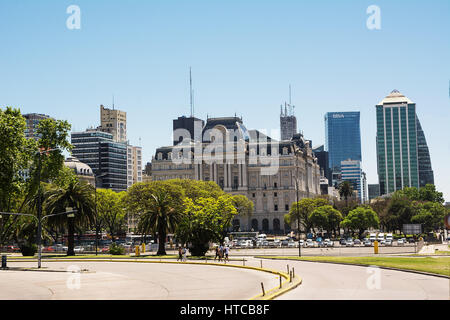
point(190, 92)
point(140, 144)
point(290, 102)
point(113, 102)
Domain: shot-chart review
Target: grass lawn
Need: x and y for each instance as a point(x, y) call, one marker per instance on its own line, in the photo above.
point(438, 265)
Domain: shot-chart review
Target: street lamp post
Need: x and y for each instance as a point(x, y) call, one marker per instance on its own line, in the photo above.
point(97, 226)
point(69, 212)
point(298, 212)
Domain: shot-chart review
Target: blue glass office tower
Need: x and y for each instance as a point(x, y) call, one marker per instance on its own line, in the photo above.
point(342, 137)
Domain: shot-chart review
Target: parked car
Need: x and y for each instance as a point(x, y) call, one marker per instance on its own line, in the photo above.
point(349, 243)
point(373, 237)
point(357, 242)
point(367, 243)
point(265, 243)
point(388, 243)
point(284, 243)
point(401, 242)
point(342, 242)
point(309, 243)
point(78, 249)
point(328, 243)
point(277, 243)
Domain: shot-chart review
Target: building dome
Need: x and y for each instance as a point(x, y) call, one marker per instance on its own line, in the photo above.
point(80, 168)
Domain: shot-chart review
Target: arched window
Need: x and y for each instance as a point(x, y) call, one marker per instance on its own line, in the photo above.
point(255, 226)
point(159, 155)
point(276, 225)
point(265, 225)
point(236, 224)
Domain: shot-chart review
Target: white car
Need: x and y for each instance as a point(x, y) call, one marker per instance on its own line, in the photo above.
point(309, 243)
point(78, 249)
point(249, 244)
point(349, 243)
point(291, 244)
point(401, 242)
point(277, 243)
point(328, 243)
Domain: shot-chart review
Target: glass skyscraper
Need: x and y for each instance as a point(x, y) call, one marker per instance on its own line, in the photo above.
point(342, 137)
point(397, 154)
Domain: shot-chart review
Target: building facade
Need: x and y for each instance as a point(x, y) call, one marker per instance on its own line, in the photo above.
point(245, 162)
point(288, 123)
point(82, 170)
point(322, 158)
point(32, 120)
point(351, 171)
point(397, 152)
point(374, 191)
point(426, 175)
point(342, 137)
point(114, 122)
point(107, 158)
point(134, 165)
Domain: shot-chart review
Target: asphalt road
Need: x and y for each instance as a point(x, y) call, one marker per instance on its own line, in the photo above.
point(322, 281)
point(120, 280)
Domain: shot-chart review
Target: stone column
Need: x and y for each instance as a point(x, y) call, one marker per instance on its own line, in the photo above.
point(245, 173)
point(196, 171)
point(216, 179)
point(240, 174)
point(225, 175)
point(211, 172)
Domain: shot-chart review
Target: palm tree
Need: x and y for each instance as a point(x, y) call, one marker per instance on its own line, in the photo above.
point(345, 190)
point(78, 195)
point(160, 217)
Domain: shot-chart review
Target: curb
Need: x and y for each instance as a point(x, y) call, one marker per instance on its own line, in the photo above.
point(367, 265)
point(257, 297)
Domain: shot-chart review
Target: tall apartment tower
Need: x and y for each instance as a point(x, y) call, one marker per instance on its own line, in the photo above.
point(397, 152)
point(288, 123)
point(114, 122)
point(134, 165)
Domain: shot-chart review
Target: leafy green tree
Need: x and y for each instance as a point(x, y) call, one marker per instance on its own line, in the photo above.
point(429, 193)
point(204, 220)
point(431, 215)
point(326, 217)
point(111, 211)
point(159, 217)
point(300, 212)
point(361, 219)
point(78, 195)
point(400, 211)
point(15, 155)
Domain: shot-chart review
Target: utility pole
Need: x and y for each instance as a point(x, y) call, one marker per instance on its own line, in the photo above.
point(39, 211)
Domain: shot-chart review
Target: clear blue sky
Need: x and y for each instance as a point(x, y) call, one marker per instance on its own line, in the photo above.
point(244, 54)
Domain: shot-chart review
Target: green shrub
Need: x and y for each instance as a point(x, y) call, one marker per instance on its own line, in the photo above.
point(28, 250)
point(116, 250)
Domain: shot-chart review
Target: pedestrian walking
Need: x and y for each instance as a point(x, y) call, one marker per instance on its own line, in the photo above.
point(180, 254)
point(220, 253)
point(217, 253)
point(227, 250)
point(184, 254)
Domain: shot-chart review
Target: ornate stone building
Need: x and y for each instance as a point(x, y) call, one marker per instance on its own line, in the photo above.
point(246, 162)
